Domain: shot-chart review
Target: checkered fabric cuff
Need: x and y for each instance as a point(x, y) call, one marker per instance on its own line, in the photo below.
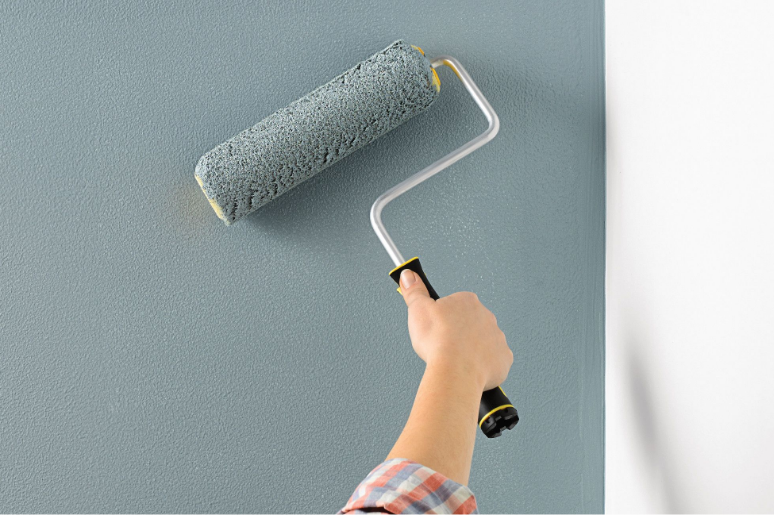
point(404, 486)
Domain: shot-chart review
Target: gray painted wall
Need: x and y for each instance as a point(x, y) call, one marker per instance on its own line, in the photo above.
point(153, 359)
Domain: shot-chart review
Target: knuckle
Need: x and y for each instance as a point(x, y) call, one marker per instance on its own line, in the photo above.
point(463, 297)
point(418, 303)
point(469, 296)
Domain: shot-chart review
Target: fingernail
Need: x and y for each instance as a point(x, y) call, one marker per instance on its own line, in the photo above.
point(407, 278)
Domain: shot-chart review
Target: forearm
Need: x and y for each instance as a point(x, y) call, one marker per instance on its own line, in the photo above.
point(441, 429)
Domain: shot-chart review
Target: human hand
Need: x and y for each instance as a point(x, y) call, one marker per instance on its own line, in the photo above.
point(457, 333)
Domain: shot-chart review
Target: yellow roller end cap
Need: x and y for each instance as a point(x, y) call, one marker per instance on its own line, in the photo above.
point(215, 206)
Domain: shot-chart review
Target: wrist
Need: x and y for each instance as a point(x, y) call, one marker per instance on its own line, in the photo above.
point(458, 373)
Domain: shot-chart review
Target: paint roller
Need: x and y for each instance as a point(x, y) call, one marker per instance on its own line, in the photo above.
point(298, 141)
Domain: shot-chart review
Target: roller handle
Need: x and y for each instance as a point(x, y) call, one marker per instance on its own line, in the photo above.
point(496, 412)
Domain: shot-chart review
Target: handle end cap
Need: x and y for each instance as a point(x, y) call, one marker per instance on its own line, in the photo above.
point(497, 422)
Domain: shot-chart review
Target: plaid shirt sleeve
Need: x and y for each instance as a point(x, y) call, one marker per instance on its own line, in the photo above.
point(404, 486)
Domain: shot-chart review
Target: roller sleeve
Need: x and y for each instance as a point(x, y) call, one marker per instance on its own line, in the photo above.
point(306, 137)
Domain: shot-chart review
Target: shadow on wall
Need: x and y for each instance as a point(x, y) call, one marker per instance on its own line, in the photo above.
point(654, 449)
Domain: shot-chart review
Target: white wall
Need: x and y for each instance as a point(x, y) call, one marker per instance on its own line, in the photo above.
point(690, 256)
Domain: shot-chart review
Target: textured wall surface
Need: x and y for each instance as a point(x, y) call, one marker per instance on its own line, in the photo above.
point(154, 360)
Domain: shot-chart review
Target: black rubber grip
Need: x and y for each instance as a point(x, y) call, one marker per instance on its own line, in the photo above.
point(415, 266)
point(496, 412)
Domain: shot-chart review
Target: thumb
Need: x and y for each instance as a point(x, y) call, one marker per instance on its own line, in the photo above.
point(411, 287)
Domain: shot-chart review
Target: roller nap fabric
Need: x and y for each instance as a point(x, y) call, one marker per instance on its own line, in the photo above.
point(314, 132)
